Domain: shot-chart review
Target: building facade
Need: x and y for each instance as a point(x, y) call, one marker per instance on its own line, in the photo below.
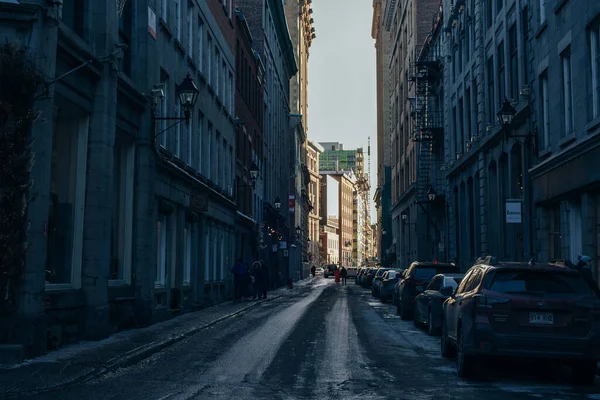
point(268, 27)
point(383, 191)
point(564, 72)
point(105, 152)
point(299, 22)
point(249, 119)
point(409, 22)
point(313, 150)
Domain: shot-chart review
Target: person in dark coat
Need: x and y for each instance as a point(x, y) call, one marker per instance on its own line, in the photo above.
point(313, 271)
point(239, 272)
point(344, 275)
point(262, 280)
point(584, 266)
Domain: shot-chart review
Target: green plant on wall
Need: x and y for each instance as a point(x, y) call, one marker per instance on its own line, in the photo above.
point(21, 85)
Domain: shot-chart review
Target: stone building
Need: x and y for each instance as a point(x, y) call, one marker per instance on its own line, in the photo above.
point(299, 22)
point(249, 108)
point(383, 193)
point(409, 23)
point(268, 27)
point(313, 150)
point(488, 48)
point(133, 218)
point(344, 183)
point(564, 71)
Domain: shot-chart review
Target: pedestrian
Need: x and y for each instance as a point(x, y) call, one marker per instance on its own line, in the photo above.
point(256, 279)
point(584, 266)
point(262, 280)
point(336, 274)
point(313, 270)
point(344, 275)
point(239, 278)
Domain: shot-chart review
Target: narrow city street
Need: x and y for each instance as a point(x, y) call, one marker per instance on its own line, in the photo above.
point(326, 342)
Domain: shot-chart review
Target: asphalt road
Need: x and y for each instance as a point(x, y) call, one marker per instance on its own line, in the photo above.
point(327, 342)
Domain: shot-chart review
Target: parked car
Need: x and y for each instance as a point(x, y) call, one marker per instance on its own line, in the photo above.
point(359, 275)
point(377, 281)
point(521, 310)
point(329, 270)
point(414, 280)
point(367, 279)
point(388, 281)
point(428, 305)
point(352, 271)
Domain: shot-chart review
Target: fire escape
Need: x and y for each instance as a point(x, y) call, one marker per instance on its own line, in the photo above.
point(426, 75)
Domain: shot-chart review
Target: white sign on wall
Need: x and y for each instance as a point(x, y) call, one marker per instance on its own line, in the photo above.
point(513, 211)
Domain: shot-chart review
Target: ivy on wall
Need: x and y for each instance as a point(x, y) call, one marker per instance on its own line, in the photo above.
point(21, 84)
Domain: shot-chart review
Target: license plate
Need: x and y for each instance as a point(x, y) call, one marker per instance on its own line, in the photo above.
point(541, 318)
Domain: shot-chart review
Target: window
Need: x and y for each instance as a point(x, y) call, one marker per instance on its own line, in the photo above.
point(200, 40)
point(490, 92)
point(164, 9)
point(514, 62)
point(178, 20)
point(210, 165)
point(67, 199)
point(217, 68)
point(164, 109)
point(178, 132)
point(122, 211)
point(501, 74)
point(542, 11)
point(72, 14)
point(218, 161)
point(544, 111)
point(207, 240)
point(125, 32)
point(200, 140)
point(190, 33)
point(161, 251)
point(567, 93)
point(489, 13)
point(224, 91)
point(187, 254)
point(189, 141)
point(595, 69)
point(231, 95)
point(209, 59)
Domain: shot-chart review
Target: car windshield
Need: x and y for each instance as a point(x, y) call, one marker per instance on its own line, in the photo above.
point(381, 272)
point(539, 282)
point(425, 273)
point(453, 282)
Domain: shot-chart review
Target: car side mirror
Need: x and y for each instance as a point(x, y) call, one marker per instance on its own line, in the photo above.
point(447, 291)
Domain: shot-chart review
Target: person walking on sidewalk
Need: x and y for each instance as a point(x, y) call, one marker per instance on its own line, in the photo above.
point(239, 279)
point(344, 275)
point(313, 270)
point(336, 274)
point(262, 279)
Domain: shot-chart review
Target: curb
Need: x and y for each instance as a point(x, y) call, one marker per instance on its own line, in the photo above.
point(134, 356)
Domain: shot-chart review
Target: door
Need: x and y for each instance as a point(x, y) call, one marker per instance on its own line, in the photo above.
point(454, 302)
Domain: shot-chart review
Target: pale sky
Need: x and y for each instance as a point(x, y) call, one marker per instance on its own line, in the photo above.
point(342, 78)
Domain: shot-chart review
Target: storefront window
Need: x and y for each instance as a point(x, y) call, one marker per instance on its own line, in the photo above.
point(67, 200)
point(122, 211)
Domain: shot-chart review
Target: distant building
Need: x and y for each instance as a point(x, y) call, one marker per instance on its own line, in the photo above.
point(313, 150)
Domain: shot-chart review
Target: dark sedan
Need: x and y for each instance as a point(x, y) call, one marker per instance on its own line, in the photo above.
point(428, 305)
point(386, 288)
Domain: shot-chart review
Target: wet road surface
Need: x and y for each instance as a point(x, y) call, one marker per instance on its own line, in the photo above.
point(326, 342)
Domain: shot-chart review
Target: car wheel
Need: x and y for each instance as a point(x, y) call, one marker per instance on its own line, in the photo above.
point(448, 351)
point(465, 363)
point(431, 330)
point(584, 373)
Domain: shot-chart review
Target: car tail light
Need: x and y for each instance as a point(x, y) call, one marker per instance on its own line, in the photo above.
point(483, 301)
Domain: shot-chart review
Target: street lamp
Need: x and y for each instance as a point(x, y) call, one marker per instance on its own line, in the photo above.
point(431, 194)
point(188, 95)
point(277, 203)
point(506, 114)
point(253, 173)
point(404, 215)
point(187, 92)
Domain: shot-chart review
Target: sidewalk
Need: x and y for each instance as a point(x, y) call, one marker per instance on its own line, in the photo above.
point(83, 361)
